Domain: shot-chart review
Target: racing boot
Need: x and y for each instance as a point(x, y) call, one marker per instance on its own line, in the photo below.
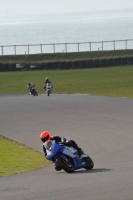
point(81, 153)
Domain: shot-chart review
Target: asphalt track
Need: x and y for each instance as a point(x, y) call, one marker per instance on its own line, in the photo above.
point(102, 126)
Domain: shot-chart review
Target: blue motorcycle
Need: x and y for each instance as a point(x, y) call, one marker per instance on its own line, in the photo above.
point(66, 158)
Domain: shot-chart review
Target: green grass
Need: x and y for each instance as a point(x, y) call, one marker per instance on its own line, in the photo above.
point(113, 81)
point(16, 158)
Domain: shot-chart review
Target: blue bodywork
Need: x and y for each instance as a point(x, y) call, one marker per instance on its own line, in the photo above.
point(57, 150)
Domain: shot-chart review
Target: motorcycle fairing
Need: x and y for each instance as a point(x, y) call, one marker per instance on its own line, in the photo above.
point(57, 150)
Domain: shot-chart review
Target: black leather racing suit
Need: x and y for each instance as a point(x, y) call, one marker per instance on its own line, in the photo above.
point(69, 143)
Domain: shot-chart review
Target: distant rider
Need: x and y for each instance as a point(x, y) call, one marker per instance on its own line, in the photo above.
point(46, 136)
point(30, 86)
point(47, 81)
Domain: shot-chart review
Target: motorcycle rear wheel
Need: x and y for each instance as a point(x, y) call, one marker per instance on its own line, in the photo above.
point(66, 165)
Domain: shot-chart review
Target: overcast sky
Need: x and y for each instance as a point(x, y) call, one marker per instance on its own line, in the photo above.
point(11, 7)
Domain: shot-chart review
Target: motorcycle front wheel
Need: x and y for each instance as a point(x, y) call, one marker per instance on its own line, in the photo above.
point(48, 93)
point(66, 165)
point(36, 93)
point(89, 163)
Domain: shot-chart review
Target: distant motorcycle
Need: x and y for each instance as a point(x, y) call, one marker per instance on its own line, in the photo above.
point(33, 91)
point(48, 89)
point(66, 158)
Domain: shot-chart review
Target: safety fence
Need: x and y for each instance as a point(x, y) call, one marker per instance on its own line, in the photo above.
point(78, 64)
point(66, 47)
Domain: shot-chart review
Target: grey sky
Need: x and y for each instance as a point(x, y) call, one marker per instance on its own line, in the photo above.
point(11, 7)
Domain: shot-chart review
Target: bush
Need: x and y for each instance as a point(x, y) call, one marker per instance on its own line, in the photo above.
point(68, 65)
point(40, 66)
point(102, 62)
point(109, 62)
point(26, 67)
point(12, 67)
point(117, 61)
point(0, 66)
point(48, 65)
point(4, 67)
point(130, 60)
point(96, 63)
point(82, 64)
point(75, 64)
point(124, 61)
point(89, 63)
point(55, 65)
point(61, 65)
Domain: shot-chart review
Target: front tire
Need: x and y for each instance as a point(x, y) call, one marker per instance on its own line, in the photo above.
point(66, 165)
point(89, 163)
point(57, 168)
point(36, 93)
point(48, 92)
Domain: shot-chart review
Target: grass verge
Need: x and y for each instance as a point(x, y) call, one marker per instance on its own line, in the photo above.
point(112, 81)
point(16, 158)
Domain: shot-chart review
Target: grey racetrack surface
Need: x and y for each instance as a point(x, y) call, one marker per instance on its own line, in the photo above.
point(102, 126)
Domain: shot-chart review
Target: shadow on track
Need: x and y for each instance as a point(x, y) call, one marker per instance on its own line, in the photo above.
point(82, 171)
point(93, 171)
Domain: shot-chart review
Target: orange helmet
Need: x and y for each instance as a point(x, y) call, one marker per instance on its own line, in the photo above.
point(45, 136)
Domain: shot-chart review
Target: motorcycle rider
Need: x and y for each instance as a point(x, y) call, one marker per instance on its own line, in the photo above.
point(47, 81)
point(46, 136)
point(30, 86)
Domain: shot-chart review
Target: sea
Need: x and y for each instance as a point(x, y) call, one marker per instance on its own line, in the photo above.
point(66, 32)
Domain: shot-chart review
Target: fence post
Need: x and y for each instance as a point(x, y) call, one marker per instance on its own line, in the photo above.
point(66, 47)
point(78, 46)
point(41, 48)
point(102, 45)
point(114, 44)
point(90, 45)
point(54, 48)
point(98, 51)
point(2, 50)
point(15, 49)
point(28, 49)
point(126, 44)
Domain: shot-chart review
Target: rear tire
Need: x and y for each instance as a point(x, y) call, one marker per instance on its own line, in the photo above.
point(89, 163)
point(66, 166)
